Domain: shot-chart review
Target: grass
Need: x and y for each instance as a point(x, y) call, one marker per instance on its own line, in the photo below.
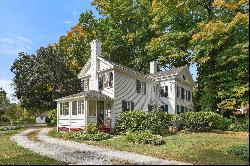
point(12, 154)
point(208, 148)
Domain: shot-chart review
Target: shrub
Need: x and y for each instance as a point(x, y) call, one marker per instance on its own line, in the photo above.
point(51, 118)
point(78, 136)
point(141, 121)
point(239, 124)
point(200, 121)
point(241, 151)
point(7, 128)
point(91, 128)
point(144, 137)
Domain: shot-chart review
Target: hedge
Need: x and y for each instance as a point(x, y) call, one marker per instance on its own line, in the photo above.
point(154, 122)
point(201, 121)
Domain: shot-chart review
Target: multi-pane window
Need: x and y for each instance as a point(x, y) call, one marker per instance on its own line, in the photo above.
point(74, 108)
point(64, 108)
point(178, 91)
point(85, 85)
point(189, 95)
point(127, 105)
point(140, 87)
point(182, 109)
point(164, 108)
point(182, 93)
point(106, 80)
point(77, 107)
point(164, 91)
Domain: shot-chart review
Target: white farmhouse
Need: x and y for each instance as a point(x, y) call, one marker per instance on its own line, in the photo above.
point(109, 89)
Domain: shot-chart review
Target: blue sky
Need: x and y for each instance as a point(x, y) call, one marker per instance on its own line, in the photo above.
point(27, 25)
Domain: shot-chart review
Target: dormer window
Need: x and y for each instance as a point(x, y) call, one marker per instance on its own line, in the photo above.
point(85, 85)
point(106, 80)
point(164, 91)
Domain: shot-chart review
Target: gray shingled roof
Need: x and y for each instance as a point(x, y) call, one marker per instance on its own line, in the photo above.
point(123, 67)
point(171, 72)
point(90, 93)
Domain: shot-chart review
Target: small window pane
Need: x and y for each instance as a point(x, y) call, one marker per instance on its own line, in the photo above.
point(82, 107)
point(74, 108)
point(61, 109)
point(66, 108)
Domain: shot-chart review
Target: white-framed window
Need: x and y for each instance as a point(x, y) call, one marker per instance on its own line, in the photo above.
point(140, 87)
point(127, 105)
point(64, 108)
point(74, 108)
point(81, 108)
point(106, 80)
point(164, 91)
point(85, 85)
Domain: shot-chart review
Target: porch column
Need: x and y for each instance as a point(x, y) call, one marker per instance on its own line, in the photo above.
point(70, 113)
point(57, 114)
point(86, 110)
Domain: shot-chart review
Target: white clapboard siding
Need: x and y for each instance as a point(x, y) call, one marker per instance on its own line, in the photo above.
point(125, 89)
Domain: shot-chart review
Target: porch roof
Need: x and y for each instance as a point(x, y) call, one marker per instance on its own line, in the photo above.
point(90, 93)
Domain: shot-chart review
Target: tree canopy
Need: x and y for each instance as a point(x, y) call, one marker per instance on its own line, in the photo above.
point(213, 34)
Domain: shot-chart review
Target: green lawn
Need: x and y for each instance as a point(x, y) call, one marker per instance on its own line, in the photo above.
point(196, 148)
point(11, 154)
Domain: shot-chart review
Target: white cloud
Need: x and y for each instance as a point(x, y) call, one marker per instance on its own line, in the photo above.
point(67, 22)
point(7, 87)
point(12, 44)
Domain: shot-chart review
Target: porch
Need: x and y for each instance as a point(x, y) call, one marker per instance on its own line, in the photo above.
point(76, 111)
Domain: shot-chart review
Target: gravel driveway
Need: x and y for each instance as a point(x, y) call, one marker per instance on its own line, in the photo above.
point(83, 154)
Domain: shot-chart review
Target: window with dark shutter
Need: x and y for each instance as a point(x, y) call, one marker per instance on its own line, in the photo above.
point(182, 93)
point(132, 105)
point(161, 92)
point(149, 108)
point(166, 108)
point(186, 94)
point(144, 87)
point(182, 109)
point(166, 91)
point(111, 79)
point(178, 109)
point(189, 95)
point(138, 86)
point(100, 82)
point(178, 91)
point(124, 105)
point(162, 108)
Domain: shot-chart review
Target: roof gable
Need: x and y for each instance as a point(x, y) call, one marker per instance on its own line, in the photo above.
point(85, 69)
point(185, 76)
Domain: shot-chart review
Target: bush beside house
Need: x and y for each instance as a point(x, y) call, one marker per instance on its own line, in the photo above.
point(91, 134)
point(50, 120)
point(154, 122)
